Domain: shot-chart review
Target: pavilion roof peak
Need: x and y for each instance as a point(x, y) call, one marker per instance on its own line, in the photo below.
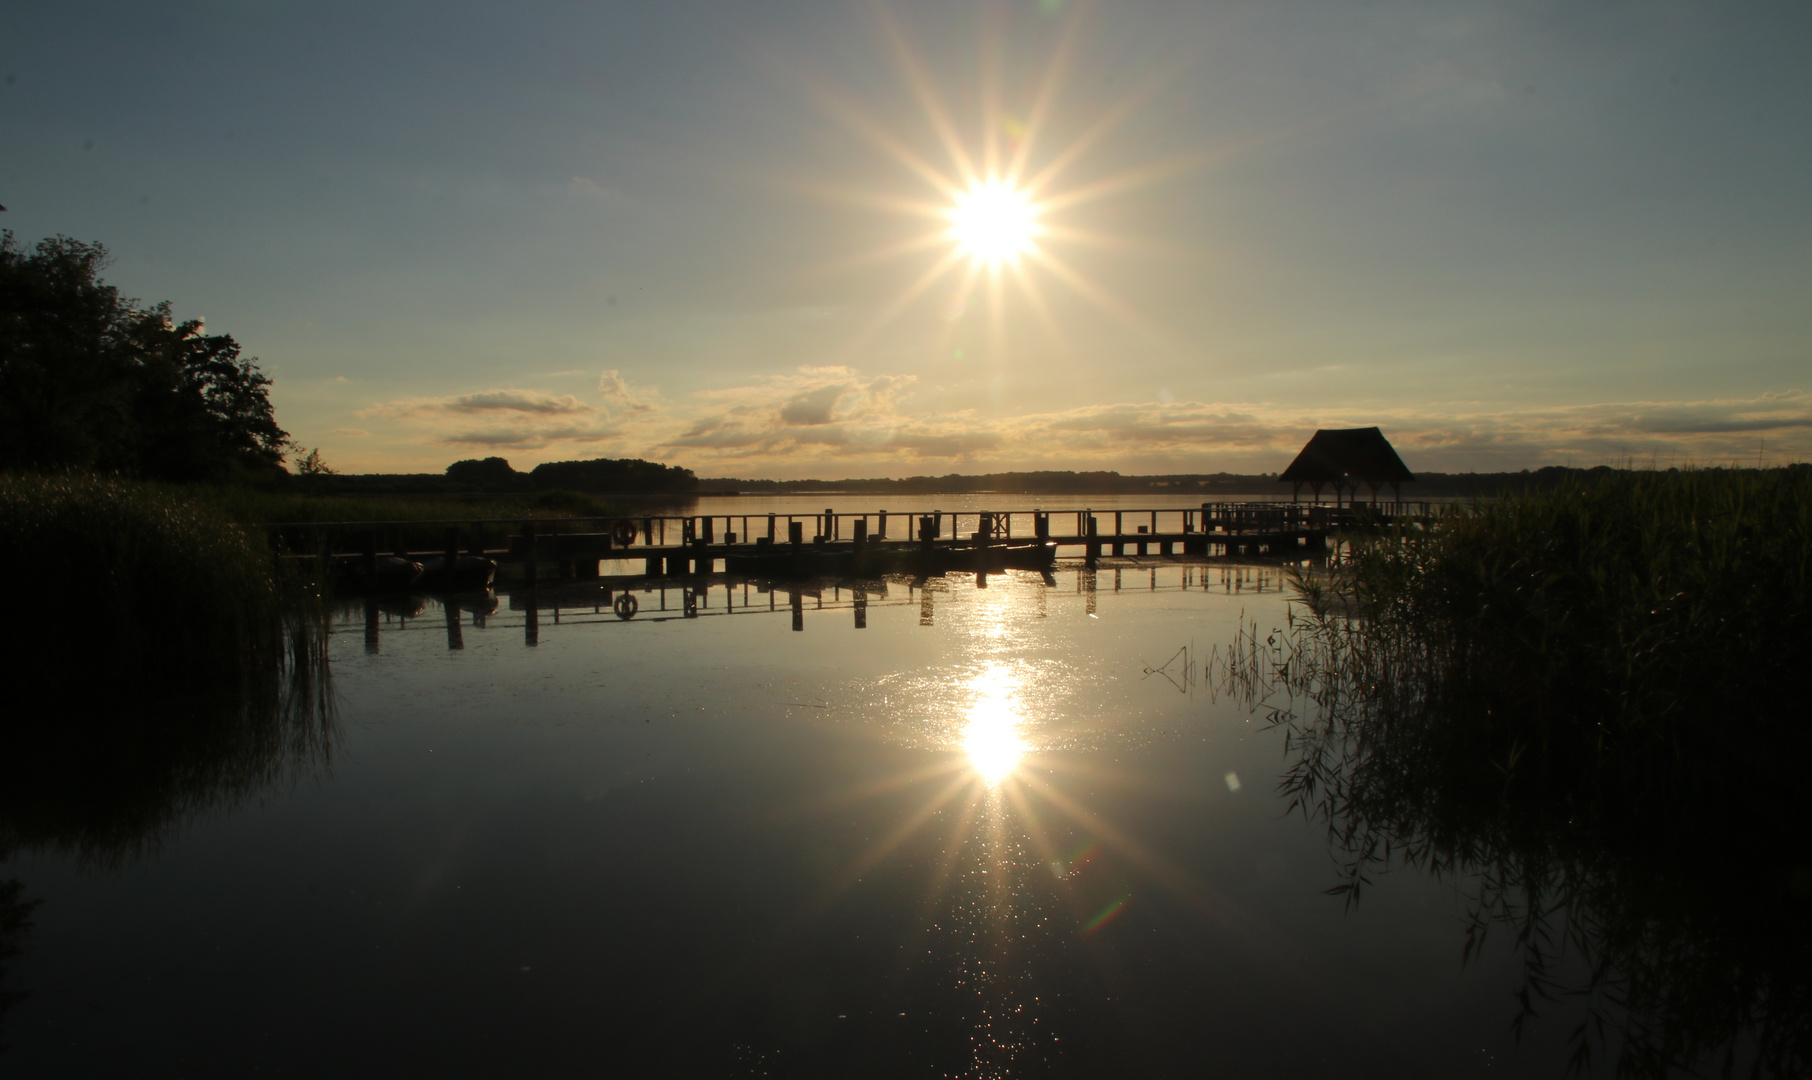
point(1348, 455)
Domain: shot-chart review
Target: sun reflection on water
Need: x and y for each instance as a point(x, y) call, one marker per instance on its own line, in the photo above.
point(992, 737)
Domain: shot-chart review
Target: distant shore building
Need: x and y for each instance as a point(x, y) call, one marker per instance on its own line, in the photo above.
point(1344, 458)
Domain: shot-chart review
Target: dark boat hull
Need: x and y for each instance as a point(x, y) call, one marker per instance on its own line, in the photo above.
point(844, 561)
point(469, 572)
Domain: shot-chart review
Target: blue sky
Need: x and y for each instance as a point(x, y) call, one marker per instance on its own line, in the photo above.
point(1511, 234)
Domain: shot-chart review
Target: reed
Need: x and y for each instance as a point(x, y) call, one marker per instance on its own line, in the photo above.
point(307, 512)
point(1584, 707)
point(159, 663)
point(1626, 643)
point(131, 584)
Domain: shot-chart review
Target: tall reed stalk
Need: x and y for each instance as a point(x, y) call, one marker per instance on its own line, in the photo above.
point(1626, 642)
point(159, 661)
point(1584, 706)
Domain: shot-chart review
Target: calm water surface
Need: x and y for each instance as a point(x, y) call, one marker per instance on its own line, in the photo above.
point(946, 830)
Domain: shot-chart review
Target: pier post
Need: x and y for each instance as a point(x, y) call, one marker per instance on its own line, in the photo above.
point(451, 555)
point(1041, 525)
point(795, 534)
point(1119, 529)
point(860, 537)
point(927, 532)
point(371, 625)
point(455, 639)
point(881, 527)
point(1093, 549)
point(770, 528)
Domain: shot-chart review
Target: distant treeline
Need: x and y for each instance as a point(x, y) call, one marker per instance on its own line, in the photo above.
point(1428, 484)
point(494, 475)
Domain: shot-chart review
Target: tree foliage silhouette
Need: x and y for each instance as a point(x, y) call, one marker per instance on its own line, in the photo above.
point(89, 379)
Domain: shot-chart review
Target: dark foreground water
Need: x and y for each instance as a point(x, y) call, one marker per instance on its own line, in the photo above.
point(925, 831)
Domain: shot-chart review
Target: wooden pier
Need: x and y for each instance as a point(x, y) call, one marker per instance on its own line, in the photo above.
point(837, 543)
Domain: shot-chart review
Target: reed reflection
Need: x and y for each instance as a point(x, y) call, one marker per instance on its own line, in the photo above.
point(109, 774)
point(1685, 942)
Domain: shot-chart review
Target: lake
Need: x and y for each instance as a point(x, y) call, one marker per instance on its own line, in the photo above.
point(1012, 827)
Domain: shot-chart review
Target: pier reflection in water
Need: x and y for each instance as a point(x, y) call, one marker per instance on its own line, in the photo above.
point(943, 830)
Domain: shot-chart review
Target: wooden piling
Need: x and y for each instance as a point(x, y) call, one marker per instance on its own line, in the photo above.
point(371, 624)
point(455, 639)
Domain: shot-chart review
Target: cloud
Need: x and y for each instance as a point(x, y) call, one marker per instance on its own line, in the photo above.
point(621, 399)
point(515, 418)
point(527, 438)
point(349, 432)
point(533, 402)
point(839, 421)
point(527, 401)
point(819, 419)
point(810, 408)
point(587, 189)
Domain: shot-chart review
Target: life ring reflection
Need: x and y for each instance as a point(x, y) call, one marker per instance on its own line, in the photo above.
point(626, 606)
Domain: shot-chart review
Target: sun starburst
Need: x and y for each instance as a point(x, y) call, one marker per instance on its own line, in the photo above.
point(1002, 199)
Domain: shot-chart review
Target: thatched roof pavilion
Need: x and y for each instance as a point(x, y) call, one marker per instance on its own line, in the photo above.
point(1346, 458)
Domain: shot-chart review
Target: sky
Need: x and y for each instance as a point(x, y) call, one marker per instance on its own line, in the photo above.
point(833, 240)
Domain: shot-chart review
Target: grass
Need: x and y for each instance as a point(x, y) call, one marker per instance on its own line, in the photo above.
point(1628, 643)
point(298, 506)
point(131, 584)
point(158, 662)
point(1584, 705)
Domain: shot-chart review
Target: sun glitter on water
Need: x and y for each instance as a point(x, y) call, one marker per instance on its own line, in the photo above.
point(992, 738)
point(994, 222)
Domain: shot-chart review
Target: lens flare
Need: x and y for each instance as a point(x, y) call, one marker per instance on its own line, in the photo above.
point(994, 222)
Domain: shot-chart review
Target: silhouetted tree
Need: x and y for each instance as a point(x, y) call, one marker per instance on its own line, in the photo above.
point(613, 476)
point(89, 379)
point(491, 474)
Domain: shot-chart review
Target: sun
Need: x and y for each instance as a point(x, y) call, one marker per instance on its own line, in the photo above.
point(994, 222)
point(1003, 201)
